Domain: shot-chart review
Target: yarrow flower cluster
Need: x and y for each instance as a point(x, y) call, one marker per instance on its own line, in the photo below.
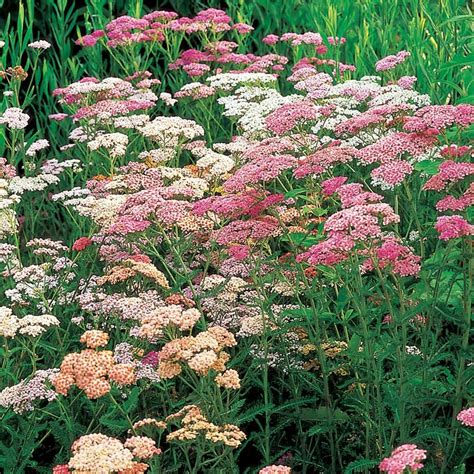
point(91, 370)
point(201, 353)
point(14, 118)
point(405, 456)
point(41, 44)
point(100, 453)
point(391, 61)
point(23, 396)
point(194, 423)
point(29, 325)
point(466, 417)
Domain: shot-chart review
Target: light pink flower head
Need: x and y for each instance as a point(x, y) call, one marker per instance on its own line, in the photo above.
point(271, 40)
point(407, 455)
point(466, 417)
point(389, 62)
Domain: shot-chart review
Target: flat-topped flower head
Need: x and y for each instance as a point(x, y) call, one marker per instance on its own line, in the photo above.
point(390, 62)
point(405, 456)
point(41, 44)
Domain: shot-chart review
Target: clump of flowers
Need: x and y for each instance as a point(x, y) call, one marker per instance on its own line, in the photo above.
point(389, 62)
point(275, 469)
point(91, 370)
point(360, 223)
point(100, 453)
point(453, 227)
point(466, 417)
point(22, 396)
point(201, 353)
point(271, 247)
point(29, 325)
point(154, 323)
point(194, 424)
point(405, 456)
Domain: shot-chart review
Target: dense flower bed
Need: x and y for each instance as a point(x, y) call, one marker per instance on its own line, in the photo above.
point(270, 269)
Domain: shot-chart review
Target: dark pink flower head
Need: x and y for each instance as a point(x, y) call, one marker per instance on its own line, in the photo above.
point(81, 244)
point(330, 186)
point(453, 227)
point(152, 358)
point(321, 49)
point(455, 151)
point(87, 41)
point(239, 252)
point(61, 469)
point(399, 257)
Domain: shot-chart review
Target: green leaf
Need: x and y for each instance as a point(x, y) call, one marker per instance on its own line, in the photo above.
point(360, 466)
point(428, 167)
point(324, 415)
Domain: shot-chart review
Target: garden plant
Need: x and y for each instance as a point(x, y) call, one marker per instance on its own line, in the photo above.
point(236, 237)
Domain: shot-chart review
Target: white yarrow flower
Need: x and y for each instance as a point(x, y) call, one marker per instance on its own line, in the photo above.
point(41, 44)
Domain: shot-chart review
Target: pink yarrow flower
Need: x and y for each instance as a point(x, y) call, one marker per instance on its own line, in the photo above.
point(399, 257)
point(242, 28)
point(391, 174)
point(330, 186)
point(453, 227)
point(406, 82)
point(61, 469)
point(239, 252)
point(389, 62)
point(451, 203)
point(405, 456)
point(466, 417)
point(270, 40)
